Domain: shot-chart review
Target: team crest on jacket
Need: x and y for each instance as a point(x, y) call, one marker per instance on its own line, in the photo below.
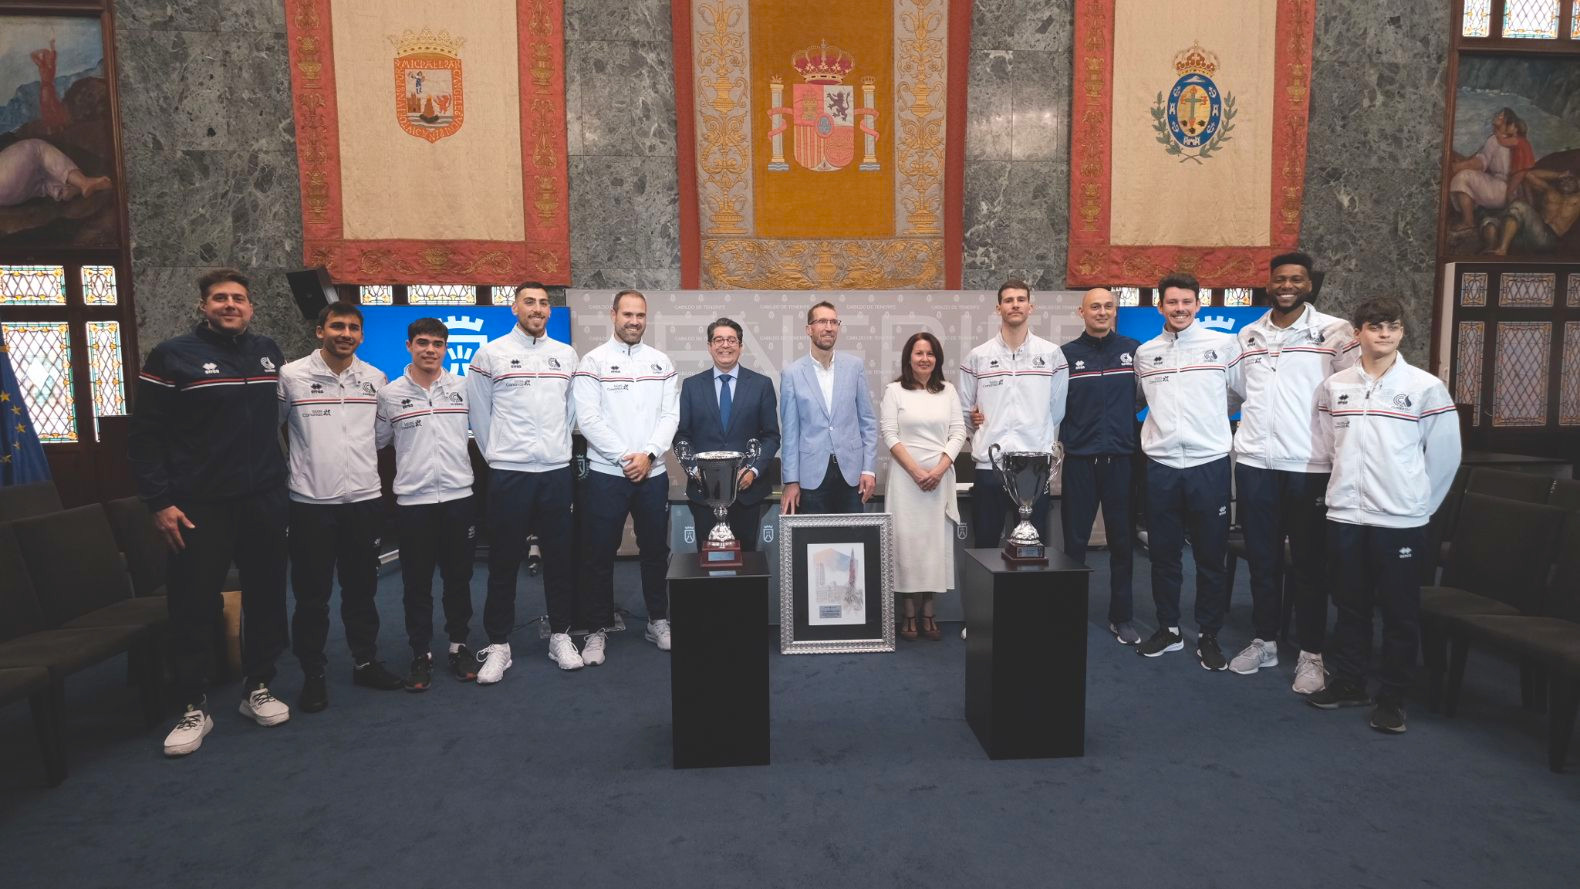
point(554, 363)
point(657, 368)
point(1210, 355)
point(1126, 359)
point(1401, 400)
point(429, 101)
point(267, 363)
point(455, 398)
point(368, 388)
point(1039, 361)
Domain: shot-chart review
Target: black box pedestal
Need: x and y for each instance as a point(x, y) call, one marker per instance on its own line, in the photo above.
point(718, 679)
point(1026, 655)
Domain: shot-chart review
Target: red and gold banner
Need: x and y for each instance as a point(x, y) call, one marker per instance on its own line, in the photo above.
point(431, 139)
point(821, 143)
point(1189, 152)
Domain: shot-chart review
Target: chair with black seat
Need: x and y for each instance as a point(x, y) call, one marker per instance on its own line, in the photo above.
point(1440, 528)
point(145, 552)
point(79, 574)
point(32, 683)
point(1502, 553)
point(22, 501)
point(1550, 639)
point(1521, 486)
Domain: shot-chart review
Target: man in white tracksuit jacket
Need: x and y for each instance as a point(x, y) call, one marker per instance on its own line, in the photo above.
point(1393, 437)
point(627, 405)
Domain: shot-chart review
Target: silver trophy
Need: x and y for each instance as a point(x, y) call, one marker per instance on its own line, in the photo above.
point(719, 474)
point(1025, 475)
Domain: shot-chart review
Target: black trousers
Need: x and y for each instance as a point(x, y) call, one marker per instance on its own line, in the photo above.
point(991, 508)
point(606, 500)
point(745, 522)
point(442, 535)
point(834, 495)
point(249, 531)
point(1372, 567)
point(330, 539)
point(1090, 482)
point(1194, 498)
point(1272, 504)
point(522, 504)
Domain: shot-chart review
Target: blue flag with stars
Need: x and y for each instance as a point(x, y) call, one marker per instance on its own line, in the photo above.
point(21, 455)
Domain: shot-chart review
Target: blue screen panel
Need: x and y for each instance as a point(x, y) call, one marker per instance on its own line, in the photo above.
point(384, 332)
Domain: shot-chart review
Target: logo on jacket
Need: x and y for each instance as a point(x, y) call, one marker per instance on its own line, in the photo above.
point(1210, 355)
point(1344, 398)
point(554, 363)
point(657, 368)
point(405, 402)
point(1079, 365)
point(1157, 359)
point(993, 362)
point(614, 368)
point(1401, 400)
point(267, 363)
point(515, 362)
point(1404, 552)
point(368, 389)
point(316, 388)
point(1039, 361)
point(1125, 359)
point(211, 368)
point(455, 398)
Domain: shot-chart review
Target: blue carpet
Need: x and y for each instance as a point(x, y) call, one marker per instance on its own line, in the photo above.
point(1191, 779)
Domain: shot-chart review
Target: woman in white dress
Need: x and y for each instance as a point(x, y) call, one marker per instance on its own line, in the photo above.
point(922, 427)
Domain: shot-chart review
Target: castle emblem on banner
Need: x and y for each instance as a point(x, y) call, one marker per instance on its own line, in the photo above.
point(823, 113)
point(1195, 120)
point(429, 102)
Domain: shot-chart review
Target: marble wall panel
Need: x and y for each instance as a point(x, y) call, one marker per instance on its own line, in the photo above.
point(989, 105)
point(623, 213)
point(625, 99)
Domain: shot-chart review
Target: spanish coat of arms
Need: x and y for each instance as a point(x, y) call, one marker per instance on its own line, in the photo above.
point(823, 113)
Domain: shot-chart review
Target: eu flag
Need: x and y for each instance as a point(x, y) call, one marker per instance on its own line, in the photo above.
point(21, 456)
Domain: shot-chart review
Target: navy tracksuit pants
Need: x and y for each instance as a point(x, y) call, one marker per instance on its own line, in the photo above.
point(438, 535)
point(519, 504)
point(1196, 499)
point(1373, 567)
point(1273, 503)
point(1090, 482)
point(330, 540)
point(605, 502)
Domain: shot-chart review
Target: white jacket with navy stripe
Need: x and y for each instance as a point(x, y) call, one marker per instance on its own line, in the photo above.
point(428, 429)
point(329, 426)
point(1189, 382)
point(1280, 372)
point(518, 393)
point(1394, 443)
point(627, 402)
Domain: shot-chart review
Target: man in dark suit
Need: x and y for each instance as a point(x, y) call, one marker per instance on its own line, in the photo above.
point(721, 409)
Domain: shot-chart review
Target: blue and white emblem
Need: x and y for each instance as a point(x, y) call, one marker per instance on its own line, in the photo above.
point(1195, 119)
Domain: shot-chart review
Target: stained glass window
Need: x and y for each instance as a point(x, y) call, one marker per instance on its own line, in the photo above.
point(104, 368)
point(1205, 296)
point(1520, 376)
point(1574, 21)
point(1128, 296)
point(1478, 18)
point(441, 295)
point(32, 285)
point(1237, 296)
point(41, 356)
point(503, 296)
point(1530, 19)
point(98, 285)
point(377, 294)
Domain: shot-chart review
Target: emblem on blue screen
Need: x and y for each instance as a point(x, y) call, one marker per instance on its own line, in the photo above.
point(466, 337)
point(1195, 118)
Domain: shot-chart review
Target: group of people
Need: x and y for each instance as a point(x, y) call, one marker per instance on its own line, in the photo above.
point(1331, 414)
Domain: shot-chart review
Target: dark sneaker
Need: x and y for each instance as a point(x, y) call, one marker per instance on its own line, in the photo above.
point(315, 694)
point(1164, 640)
point(421, 675)
point(1125, 633)
point(463, 665)
point(1388, 715)
point(1340, 693)
point(374, 674)
point(1210, 655)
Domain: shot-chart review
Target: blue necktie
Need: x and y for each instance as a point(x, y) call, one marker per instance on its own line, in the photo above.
point(724, 401)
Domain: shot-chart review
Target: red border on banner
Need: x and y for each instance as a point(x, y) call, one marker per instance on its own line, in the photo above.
point(1093, 259)
point(544, 251)
point(686, 146)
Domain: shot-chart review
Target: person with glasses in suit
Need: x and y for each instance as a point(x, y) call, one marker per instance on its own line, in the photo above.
point(830, 459)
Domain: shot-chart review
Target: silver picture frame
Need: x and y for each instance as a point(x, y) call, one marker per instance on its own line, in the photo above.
point(873, 533)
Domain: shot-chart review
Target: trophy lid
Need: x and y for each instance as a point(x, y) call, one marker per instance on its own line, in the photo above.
point(719, 455)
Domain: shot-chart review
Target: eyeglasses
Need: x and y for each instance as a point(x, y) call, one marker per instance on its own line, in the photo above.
point(826, 322)
point(725, 341)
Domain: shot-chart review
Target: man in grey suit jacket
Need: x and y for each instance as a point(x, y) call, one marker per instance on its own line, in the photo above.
point(830, 457)
point(721, 409)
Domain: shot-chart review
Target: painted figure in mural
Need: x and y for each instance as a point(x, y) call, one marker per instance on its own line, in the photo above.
point(1482, 179)
point(33, 168)
point(50, 109)
point(1537, 224)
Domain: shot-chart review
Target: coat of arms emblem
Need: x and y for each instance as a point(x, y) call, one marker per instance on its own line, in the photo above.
point(1196, 118)
point(823, 113)
point(429, 101)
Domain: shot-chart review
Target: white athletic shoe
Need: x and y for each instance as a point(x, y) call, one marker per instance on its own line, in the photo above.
point(562, 651)
point(496, 660)
point(264, 708)
point(592, 648)
point(188, 734)
point(658, 633)
point(1254, 657)
point(1310, 676)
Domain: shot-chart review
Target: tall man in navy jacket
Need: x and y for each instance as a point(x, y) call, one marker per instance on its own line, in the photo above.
point(721, 409)
point(830, 460)
point(1099, 436)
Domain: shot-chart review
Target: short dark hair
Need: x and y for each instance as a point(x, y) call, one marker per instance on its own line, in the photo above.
point(1378, 311)
point(209, 279)
point(1294, 257)
point(1181, 280)
point(935, 380)
point(529, 285)
point(339, 309)
point(1012, 284)
point(824, 304)
point(615, 306)
point(429, 326)
point(726, 322)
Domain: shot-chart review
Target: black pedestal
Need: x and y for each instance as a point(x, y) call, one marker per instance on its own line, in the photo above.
point(1026, 655)
point(718, 679)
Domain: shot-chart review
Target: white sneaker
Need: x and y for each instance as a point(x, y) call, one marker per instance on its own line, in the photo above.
point(658, 633)
point(188, 734)
point(1257, 655)
point(496, 660)
point(1310, 676)
point(264, 708)
point(592, 648)
point(562, 651)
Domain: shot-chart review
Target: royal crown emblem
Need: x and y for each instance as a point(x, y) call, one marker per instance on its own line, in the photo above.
point(1195, 119)
point(823, 113)
point(429, 101)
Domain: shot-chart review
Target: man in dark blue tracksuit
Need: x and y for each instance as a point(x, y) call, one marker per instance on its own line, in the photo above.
point(1099, 437)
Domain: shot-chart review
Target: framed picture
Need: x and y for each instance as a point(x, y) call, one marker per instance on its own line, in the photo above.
point(836, 577)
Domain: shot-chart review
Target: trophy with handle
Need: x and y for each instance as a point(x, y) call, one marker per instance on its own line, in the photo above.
point(1025, 477)
point(719, 474)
